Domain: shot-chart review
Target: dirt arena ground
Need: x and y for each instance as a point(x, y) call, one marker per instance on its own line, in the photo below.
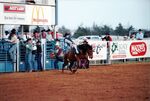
point(119, 82)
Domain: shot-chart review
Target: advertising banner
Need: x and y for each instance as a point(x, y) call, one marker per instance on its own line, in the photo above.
point(25, 14)
point(129, 49)
point(14, 1)
point(99, 50)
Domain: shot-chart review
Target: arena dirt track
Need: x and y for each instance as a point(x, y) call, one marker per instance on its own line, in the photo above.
point(120, 82)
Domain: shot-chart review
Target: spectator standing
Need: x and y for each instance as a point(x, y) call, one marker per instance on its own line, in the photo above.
point(36, 35)
point(43, 34)
point(28, 56)
point(139, 35)
point(25, 36)
point(108, 39)
point(39, 55)
point(34, 50)
point(14, 40)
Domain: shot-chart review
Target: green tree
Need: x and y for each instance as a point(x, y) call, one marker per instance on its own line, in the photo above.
point(64, 30)
point(130, 29)
point(106, 29)
point(96, 30)
point(82, 31)
point(120, 31)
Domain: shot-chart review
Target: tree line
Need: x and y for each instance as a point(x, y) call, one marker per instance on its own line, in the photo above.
point(120, 30)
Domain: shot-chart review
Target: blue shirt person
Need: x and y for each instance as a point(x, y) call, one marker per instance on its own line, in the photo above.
point(140, 35)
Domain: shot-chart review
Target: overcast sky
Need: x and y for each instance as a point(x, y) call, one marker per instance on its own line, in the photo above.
point(73, 13)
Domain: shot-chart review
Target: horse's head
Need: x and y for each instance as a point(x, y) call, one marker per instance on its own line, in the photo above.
point(90, 51)
point(86, 50)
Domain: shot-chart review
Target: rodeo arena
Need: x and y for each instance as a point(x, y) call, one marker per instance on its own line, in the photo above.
point(37, 64)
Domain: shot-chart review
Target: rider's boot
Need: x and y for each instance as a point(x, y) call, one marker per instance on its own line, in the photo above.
point(76, 50)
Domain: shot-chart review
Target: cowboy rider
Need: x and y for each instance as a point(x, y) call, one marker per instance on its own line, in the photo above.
point(70, 43)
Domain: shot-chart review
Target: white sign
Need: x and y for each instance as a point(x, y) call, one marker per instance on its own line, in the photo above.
point(25, 14)
point(99, 50)
point(129, 49)
point(14, 1)
point(45, 2)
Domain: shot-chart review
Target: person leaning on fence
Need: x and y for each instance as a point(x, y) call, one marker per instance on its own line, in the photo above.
point(28, 55)
point(58, 54)
point(39, 55)
point(108, 39)
point(139, 36)
point(14, 40)
point(70, 43)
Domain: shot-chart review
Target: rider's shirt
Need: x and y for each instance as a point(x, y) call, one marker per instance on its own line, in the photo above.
point(68, 40)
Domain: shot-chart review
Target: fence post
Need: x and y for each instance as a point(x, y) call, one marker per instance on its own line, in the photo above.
point(108, 52)
point(17, 58)
point(43, 42)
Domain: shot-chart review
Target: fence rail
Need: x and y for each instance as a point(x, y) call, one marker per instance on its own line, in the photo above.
point(105, 53)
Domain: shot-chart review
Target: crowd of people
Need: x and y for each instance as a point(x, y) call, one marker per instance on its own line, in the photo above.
point(32, 44)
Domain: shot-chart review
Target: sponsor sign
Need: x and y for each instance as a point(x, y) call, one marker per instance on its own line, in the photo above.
point(129, 49)
point(14, 9)
point(99, 50)
point(118, 50)
point(12, 13)
point(26, 14)
point(138, 48)
point(14, 1)
point(38, 15)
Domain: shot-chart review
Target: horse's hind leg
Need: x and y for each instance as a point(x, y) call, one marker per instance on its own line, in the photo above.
point(70, 66)
point(63, 67)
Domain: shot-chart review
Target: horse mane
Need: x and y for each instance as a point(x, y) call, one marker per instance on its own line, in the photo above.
point(84, 48)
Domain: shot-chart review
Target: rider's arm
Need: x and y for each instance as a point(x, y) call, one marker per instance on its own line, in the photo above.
point(70, 40)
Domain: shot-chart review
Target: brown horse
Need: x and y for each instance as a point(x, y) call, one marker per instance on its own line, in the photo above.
point(72, 60)
point(86, 52)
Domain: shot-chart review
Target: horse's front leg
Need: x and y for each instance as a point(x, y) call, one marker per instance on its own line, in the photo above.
point(64, 65)
point(78, 61)
point(87, 66)
point(87, 61)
